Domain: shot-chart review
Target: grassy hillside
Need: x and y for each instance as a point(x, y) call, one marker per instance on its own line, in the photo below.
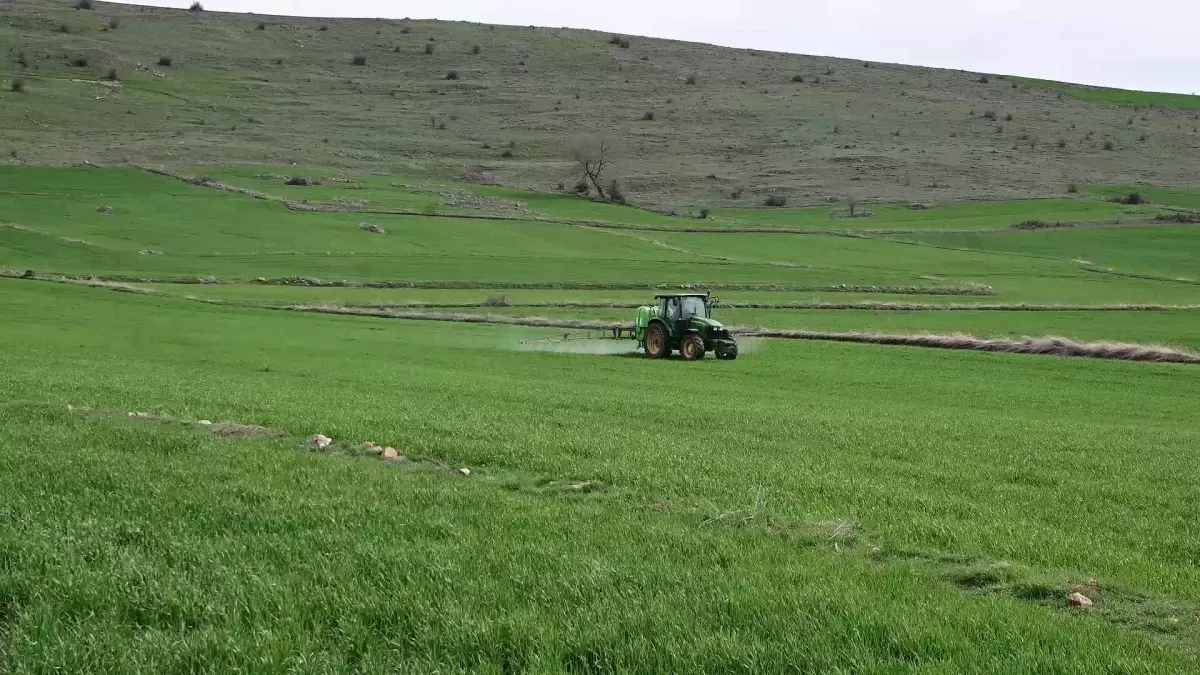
point(274, 90)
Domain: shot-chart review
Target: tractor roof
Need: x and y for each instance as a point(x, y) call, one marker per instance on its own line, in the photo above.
point(681, 295)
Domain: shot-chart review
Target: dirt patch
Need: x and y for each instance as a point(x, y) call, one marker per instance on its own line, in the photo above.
point(237, 430)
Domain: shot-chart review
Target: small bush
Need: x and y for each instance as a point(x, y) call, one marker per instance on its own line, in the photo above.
point(691, 79)
point(196, 7)
point(983, 79)
point(17, 85)
point(703, 214)
point(989, 115)
point(582, 188)
point(452, 75)
point(507, 154)
point(113, 75)
point(1072, 189)
point(22, 60)
point(615, 193)
point(798, 78)
point(79, 62)
point(164, 61)
point(1008, 117)
point(358, 60)
point(261, 26)
point(1109, 145)
point(64, 28)
point(406, 30)
point(476, 49)
point(323, 27)
point(648, 116)
point(624, 44)
point(1062, 143)
point(1143, 138)
point(614, 39)
point(1031, 225)
point(301, 180)
point(83, 4)
point(114, 23)
point(428, 47)
point(776, 201)
point(496, 301)
point(1131, 199)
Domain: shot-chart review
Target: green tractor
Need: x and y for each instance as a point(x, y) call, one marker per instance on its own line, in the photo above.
point(683, 322)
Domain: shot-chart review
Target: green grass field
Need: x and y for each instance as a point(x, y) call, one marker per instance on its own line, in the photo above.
point(815, 506)
point(793, 508)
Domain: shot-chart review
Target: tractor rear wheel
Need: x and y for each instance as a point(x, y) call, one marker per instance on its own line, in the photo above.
point(656, 341)
point(692, 347)
point(728, 352)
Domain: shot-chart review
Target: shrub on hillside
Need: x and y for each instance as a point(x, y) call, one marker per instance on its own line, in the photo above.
point(1008, 117)
point(624, 44)
point(798, 78)
point(496, 301)
point(114, 23)
point(989, 115)
point(17, 85)
point(452, 75)
point(614, 39)
point(301, 180)
point(358, 60)
point(615, 192)
point(776, 201)
point(113, 75)
point(428, 47)
point(79, 62)
point(261, 26)
point(83, 4)
point(1109, 145)
point(691, 79)
point(323, 27)
point(1072, 188)
point(476, 49)
point(648, 116)
point(196, 7)
point(164, 61)
point(983, 79)
point(1131, 199)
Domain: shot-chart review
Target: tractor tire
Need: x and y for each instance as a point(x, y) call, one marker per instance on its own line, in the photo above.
point(657, 345)
point(692, 347)
point(728, 353)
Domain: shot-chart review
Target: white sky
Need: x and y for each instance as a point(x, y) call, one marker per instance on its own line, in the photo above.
point(1151, 44)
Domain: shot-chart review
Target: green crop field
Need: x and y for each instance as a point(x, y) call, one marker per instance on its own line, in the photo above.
point(181, 316)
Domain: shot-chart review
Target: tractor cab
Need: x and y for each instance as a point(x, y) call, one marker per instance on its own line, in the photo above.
point(683, 322)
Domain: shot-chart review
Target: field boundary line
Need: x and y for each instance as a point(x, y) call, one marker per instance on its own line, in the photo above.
point(1050, 345)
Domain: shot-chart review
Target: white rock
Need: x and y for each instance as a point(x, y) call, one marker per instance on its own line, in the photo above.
point(1079, 600)
point(204, 422)
point(390, 453)
point(465, 471)
point(321, 441)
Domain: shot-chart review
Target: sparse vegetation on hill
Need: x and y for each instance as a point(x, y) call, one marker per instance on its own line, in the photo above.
point(766, 136)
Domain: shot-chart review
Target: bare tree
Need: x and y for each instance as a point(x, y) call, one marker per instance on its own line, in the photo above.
point(593, 158)
point(852, 204)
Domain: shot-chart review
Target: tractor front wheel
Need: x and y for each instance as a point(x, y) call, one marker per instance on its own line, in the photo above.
point(692, 347)
point(656, 341)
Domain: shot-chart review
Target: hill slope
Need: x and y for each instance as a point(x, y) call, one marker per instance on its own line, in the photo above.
point(240, 88)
